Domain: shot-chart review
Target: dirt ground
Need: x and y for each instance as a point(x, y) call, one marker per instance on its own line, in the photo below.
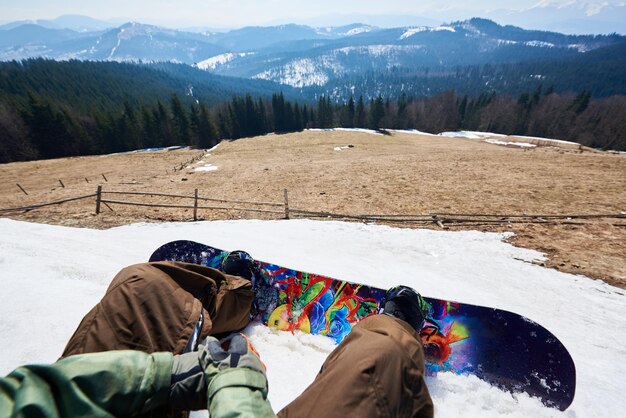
point(354, 173)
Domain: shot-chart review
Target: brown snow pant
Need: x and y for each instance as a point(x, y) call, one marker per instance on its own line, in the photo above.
point(376, 371)
point(154, 307)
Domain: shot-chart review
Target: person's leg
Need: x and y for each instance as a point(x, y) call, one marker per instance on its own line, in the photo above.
point(156, 306)
point(376, 371)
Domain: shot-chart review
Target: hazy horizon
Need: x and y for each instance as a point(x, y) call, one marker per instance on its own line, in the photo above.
point(534, 14)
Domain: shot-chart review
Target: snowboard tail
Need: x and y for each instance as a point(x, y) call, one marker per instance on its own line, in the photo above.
point(500, 347)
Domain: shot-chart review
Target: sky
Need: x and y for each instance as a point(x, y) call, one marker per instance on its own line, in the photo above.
point(223, 13)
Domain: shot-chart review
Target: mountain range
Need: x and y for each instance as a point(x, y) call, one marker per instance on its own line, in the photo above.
point(306, 57)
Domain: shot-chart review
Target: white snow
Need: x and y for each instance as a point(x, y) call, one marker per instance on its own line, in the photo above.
point(517, 144)
point(358, 30)
point(580, 47)
point(51, 276)
point(341, 148)
point(540, 44)
point(411, 131)
point(377, 50)
point(206, 168)
point(299, 73)
point(221, 59)
point(461, 134)
point(412, 31)
point(367, 131)
point(211, 149)
point(506, 42)
point(119, 42)
point(556, 141)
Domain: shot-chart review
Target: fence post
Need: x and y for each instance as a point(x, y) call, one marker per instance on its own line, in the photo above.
point(286, 205)
point(195, 206)
point(98, 199)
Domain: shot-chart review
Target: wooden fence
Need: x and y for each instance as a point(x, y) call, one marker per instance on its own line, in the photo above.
point(97, 177)
point(284, 211)
point(196, 203)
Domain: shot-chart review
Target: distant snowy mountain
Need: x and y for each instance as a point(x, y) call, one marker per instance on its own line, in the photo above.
point(131, 42)
point(475, 41)
point(298, 55)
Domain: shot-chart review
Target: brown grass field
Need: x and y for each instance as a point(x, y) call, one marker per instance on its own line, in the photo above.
point(380, 174)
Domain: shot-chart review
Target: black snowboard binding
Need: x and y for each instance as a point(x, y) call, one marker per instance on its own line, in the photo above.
point(240, 263)
point(406, 304)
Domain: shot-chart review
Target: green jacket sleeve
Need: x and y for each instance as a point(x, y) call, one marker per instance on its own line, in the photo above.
point(114, 383)
point(238, 392)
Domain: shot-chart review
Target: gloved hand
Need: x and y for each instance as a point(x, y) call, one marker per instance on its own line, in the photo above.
point(192, 372)
point(188, 387)
point(234, 351)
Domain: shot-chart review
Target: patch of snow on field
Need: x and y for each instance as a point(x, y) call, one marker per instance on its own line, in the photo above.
point(206, 168)
point(517, 144)
point(172, 148)
point(367, 131)
point(460, 134)
point(411, 131)
point(556, 141)
point(342, 148)
point(470, 134)
point(51, 276)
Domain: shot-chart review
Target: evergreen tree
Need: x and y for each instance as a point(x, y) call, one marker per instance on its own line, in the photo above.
point(262, 117)
point(278, 110)
point(377, 112)
point(360, 113)
point(163, 126)
point(207, 137)
point(194, 124)
point(150, 135)
point(351, 111)
point(180, 122)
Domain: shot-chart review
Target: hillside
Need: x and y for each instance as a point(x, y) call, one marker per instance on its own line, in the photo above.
point(88, 85)
point(470, 56)
point(398, 174)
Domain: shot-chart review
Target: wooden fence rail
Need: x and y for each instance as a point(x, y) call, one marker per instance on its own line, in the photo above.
point(210, 199)
point(41, 205)
point(160, 205)
point(287, 212)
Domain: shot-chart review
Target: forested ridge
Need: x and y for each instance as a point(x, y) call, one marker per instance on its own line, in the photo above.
point(600, 71)
point(42, 116)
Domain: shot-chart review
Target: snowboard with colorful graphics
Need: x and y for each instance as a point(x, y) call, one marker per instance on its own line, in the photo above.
point(500, 347)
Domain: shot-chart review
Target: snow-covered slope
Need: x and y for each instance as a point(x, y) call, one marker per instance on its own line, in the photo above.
point(50, 276)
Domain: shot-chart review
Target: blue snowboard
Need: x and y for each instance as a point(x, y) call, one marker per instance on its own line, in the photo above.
point(500, 347)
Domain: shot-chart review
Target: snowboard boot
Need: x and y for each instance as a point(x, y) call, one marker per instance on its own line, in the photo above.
point(406, 304)
point(240, 263)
